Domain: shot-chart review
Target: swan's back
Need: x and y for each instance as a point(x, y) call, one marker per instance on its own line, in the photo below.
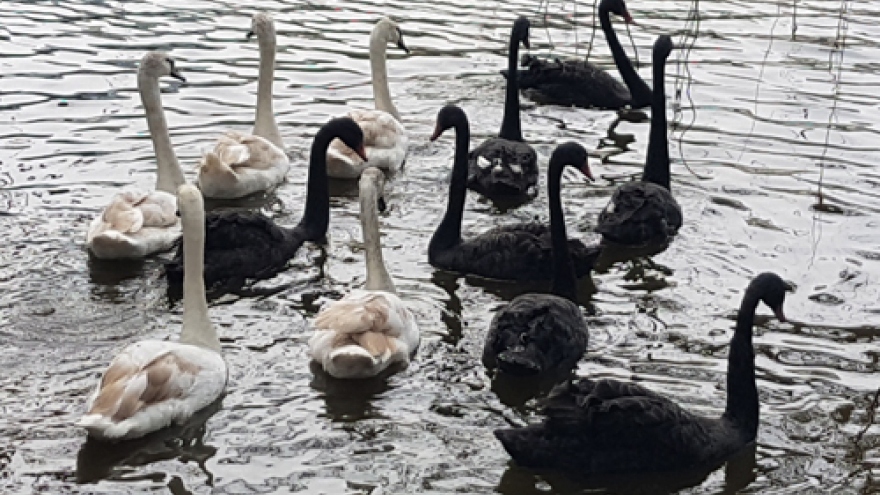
point(500, 167)
point(240, 246)
point(572, 82)
point(535, 334)
point(640, 213)
point(512, 252)
point(607, 426)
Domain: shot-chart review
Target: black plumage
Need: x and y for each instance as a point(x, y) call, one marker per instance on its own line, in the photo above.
point(596, 427)
point(544, 334)
point(645, 212)
point(583, 84)
point(510, 252)
point(248, 245)
point(506, 166)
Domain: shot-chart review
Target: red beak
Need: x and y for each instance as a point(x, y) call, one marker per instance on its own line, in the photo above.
point(779, 314)
point(362, 152)
point(628, 18)
point(585, 169)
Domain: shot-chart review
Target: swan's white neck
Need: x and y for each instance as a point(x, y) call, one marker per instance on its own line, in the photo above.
point(169, 175)
point(377, 274)
point(381, 93)
point(264, 122)
point(197, 327)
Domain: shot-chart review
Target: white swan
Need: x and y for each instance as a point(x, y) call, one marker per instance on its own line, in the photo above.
point(365, 332)
point(384, 138)
point(140, 222)
point(243, 164)
point(152, 384)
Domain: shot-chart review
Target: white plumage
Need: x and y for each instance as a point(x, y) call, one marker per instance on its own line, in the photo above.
point(152, 384)
point(367, 331)
point(242, 164)
point(140, 222)
point(385, 139)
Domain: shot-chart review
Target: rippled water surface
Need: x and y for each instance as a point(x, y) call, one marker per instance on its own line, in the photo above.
point(772, 105)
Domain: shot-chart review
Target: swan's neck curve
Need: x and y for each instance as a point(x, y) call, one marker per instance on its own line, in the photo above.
point(264, 121)
point(742, 392)
point(563, 283)
point(197, 327)
point(448, 233)
point(657, 162)
point(316, 217)
point(377, 274)
point(381, 93)
point(639, 91)
point(169, 175)
point(510, 124)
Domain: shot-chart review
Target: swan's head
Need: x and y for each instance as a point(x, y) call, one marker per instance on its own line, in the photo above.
point(771, 289)
point(372, 186)
point(158, 64)
point(263, 27)
point(349, 132)
point(190, 206)
point(448, 116)
point(387, 31)
point(573, 154)
point(520, 31)
point(617, 7)
point(662, 48)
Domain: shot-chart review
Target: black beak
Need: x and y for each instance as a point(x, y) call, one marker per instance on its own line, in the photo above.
point(177, 212)
point(176, 75)
point(250, 34)
point(402, 46)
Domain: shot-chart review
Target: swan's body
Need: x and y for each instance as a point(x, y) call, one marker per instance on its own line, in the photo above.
point(645, 212)
point(583, 84)
point(249, 245)
point(140, 222)
point(544, 333)
point(152, 384)
point(509, 252)
point(243, 164)
point(367, 331)
point(607, 426)
point(385, 139)
point(506, 166)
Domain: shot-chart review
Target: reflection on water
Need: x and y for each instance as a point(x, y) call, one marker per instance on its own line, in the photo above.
point(773, 133)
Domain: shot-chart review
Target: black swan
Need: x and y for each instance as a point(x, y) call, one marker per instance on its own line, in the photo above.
point(544, 333)
point(644, 212)
point(511, 252)
point(506, 166)
point(611, 427)
point(583, 84)
point(249, 245)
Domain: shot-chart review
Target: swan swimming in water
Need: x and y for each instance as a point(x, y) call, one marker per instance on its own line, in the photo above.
point(385, 139)
point(140, 222)
point(369, 330)
point(153, 383)
point(243, 164)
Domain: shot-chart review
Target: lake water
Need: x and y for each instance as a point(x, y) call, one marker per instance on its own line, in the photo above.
point(775, 141)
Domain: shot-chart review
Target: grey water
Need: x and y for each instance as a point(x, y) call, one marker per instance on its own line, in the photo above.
point(775, 142)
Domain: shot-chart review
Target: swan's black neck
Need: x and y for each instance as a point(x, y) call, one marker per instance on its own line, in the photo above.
point(316, 218)
point(742, 393)
point(448, 234)
point(510, 123)
point(639, 91)
point(564, 283)
point(657, 162)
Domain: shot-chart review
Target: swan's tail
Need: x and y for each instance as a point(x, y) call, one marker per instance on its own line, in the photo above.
point(352, 361)
point(100, 426)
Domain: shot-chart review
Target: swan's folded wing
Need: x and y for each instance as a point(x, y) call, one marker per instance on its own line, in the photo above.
point(129, 386)
point(621, 413)
point(365, 311)
point(236, 229)
point(381, 129)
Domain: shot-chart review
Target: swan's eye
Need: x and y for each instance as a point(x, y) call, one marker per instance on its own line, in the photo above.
point(177, 213)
